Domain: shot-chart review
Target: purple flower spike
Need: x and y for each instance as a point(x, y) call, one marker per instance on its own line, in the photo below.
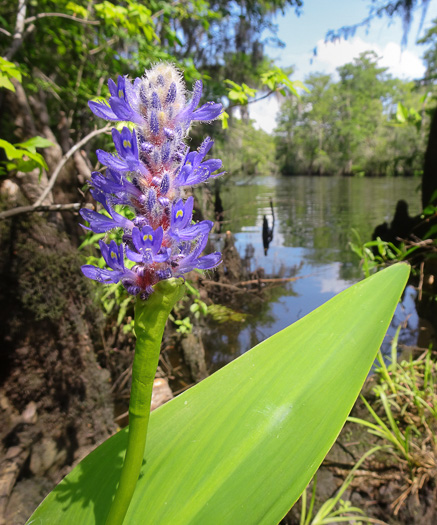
point(151, 163)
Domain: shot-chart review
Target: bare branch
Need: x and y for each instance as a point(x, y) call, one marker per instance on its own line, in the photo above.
point(38, 206)
point(61, 15)
point(5, 32)
point(252, 101)
point(75, 206)
point(107, 44)
point(64, 160)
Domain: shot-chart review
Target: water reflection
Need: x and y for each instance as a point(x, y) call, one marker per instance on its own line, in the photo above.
point(313, 219)
point(267, 232)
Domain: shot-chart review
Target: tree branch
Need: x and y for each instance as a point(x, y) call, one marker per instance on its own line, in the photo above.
point(252, 101)
point(38, 206)
point(60, 15)
point(64, 160)
point(75, 206)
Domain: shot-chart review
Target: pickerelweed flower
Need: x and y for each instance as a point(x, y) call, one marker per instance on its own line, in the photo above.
point(151, 166)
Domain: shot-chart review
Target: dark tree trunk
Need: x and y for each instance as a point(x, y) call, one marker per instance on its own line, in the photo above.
point(429, 178)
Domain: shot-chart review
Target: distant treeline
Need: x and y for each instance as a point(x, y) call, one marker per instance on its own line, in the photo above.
point(366, 123)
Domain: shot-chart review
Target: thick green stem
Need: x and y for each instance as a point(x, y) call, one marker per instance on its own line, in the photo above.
point(150, 319)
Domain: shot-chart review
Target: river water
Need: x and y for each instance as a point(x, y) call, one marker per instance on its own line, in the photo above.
point(314, 219)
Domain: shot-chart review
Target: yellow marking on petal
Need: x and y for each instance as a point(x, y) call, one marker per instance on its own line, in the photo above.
point(161, 118)
point(150, 237)
point(127, 144)
point(120, 93)
point(113, 254)
point(179, 213)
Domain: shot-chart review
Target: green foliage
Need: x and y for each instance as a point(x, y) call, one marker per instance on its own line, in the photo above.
point(406, 115)
point(198, 308)
point(131, 17)
point(67, 57)
point(265, 420)
point(277, 79)
point(335, 510)
point(184, 325)
point(430, 56)
point(223, 314)
point(376, 254)
point(239, 94)
point(8, 70)
point(350, 126)
point(23, 156)
point(247, 150)
point(404, 414)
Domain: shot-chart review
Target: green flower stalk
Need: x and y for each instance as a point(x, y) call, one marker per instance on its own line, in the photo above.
point(150, 319)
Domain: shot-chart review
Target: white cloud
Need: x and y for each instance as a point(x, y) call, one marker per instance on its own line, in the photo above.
point(400, 64)
point(330, 280)
point(264, 113)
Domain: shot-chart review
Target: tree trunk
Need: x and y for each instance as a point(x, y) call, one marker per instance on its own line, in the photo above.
point(429, 178)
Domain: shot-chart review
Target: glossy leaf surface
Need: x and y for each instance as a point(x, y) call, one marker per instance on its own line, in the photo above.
point(241, 446)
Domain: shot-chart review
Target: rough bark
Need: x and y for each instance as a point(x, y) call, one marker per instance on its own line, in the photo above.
point(429, 178)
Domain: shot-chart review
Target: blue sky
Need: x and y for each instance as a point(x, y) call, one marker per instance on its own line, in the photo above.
point(302, 34)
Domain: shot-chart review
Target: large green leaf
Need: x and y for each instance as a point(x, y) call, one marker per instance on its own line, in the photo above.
point(240, 447)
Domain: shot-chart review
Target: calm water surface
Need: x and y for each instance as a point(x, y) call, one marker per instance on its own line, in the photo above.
point(313, 227)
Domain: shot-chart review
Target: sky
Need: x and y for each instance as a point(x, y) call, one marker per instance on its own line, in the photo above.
point(304, 33)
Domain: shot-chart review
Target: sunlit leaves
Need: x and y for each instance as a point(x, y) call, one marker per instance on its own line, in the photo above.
point(77, 9)
point(239, 94)
point(8, 70)
point(23, 156)
point(134, 17)
point(277, 80)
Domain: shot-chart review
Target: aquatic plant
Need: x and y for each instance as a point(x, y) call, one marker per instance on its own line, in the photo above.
point(152, 165)
point(241, 446)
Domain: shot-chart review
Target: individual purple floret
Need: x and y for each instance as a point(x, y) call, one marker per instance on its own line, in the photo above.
point(151, 164)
